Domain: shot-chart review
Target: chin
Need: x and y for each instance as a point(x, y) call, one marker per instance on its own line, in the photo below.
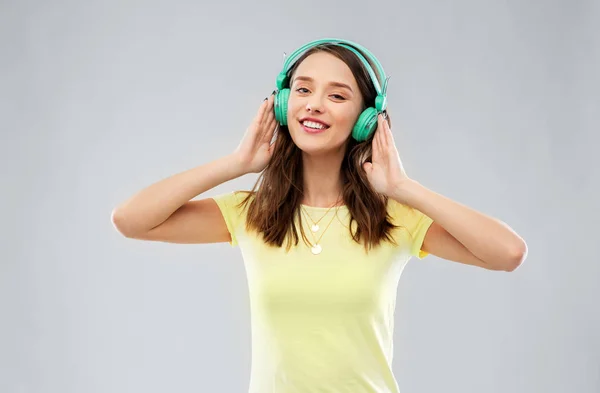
point(315, 146)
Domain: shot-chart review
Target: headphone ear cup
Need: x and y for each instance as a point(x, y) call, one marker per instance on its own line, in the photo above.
point(365, 125)
point(281, 106)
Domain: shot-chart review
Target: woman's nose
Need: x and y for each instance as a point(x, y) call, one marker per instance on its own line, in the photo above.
point(314, 105)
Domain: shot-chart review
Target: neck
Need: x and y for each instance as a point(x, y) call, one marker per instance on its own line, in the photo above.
point(322, 179)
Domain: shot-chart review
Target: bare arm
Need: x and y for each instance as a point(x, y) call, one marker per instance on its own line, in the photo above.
point(171, 197)
point(164, 210)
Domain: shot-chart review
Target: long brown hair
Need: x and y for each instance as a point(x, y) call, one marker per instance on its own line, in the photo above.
point(278, 191)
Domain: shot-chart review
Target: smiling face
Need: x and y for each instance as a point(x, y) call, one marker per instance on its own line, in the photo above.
point(324, 103)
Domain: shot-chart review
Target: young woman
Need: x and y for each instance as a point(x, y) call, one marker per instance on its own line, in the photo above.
point(327, 229)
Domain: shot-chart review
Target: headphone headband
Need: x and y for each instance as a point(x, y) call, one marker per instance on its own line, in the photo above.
point(282, 78)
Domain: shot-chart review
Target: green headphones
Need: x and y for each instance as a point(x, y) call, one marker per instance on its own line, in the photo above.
point(367, 121)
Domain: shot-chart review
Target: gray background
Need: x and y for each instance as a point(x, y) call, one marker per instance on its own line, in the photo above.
point(494, 105)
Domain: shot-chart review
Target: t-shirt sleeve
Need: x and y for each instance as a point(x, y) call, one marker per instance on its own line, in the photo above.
point(232, 213)
point(416, 223)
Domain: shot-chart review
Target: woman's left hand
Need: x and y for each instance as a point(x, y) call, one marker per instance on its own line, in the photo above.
point(385, 173)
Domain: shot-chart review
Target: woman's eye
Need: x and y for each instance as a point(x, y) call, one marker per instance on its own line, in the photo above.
point(305, 90)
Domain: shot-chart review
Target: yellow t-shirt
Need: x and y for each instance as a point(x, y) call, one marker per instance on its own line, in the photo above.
point(324, 323)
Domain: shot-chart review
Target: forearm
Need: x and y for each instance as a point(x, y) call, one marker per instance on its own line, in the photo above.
point(487, 238)
point(154, 204)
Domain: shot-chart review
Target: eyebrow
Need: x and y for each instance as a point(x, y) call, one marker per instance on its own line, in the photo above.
point(334, 83)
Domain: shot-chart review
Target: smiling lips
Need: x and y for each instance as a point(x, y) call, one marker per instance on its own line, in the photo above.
point(312, 125)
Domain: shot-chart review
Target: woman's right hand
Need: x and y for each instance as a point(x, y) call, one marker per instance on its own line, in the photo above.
point(255, 150)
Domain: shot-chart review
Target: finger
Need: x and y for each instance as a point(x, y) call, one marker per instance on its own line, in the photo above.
point(263, 119)
point(269, 132)
point(376, 147)
point(388, 133)
point(270, 108)
point(269, 113)
point(260, 113)
point(274, 133)
point(378, 133)
point(270, 125)
point(383, 131)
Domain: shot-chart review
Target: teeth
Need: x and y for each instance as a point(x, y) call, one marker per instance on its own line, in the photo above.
point(313, 124)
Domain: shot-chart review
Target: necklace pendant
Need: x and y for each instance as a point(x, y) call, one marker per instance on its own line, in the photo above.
point(316, 249)
point(314, 228)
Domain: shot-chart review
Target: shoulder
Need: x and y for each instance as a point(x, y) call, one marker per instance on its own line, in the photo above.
point(407, 216)
point(414, 222)
point(231, 203)
point(232, 198)
point(401, 212)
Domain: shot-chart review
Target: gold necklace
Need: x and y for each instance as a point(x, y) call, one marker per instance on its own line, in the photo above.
point(315, 225)
point(316, 247)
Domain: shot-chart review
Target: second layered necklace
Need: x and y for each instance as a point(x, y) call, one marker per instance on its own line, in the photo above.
point(316, 247)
